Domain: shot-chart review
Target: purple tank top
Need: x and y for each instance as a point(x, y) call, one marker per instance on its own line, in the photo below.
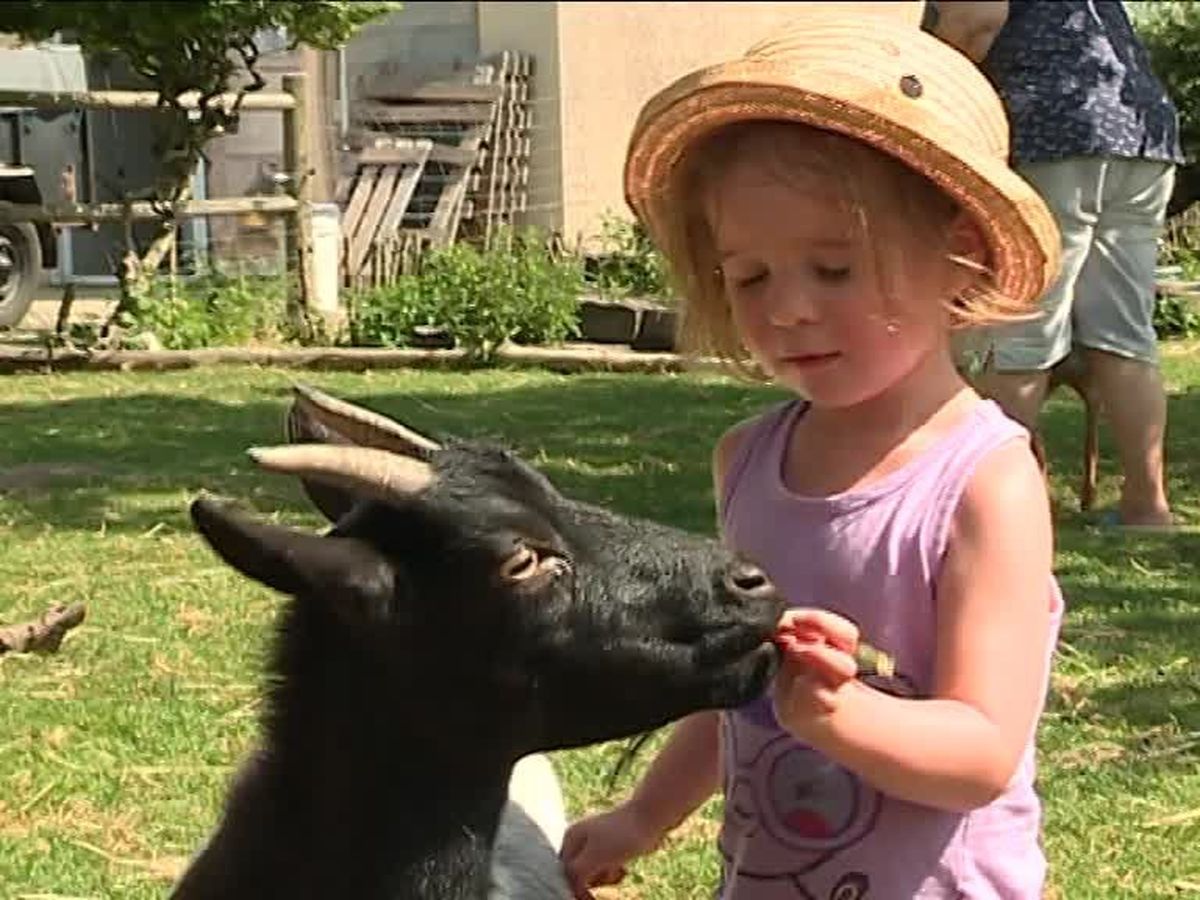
point(797, 826)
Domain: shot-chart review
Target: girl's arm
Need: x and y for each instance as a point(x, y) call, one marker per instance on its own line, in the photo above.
point(596, 850)
point(970, 26)
point(959, 749)
point(685, 773)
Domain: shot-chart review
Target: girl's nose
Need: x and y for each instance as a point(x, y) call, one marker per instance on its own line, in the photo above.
point(790, 301)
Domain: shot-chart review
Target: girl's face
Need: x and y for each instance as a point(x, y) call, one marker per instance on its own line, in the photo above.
point(806, 293)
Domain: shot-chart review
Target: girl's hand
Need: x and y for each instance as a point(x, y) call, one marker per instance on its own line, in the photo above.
point(595, 850)
point(818, 661)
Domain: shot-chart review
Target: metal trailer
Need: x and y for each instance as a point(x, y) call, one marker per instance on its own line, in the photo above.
point(28, 249)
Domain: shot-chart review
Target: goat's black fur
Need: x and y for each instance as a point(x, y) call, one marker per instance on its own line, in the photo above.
point(409, 676)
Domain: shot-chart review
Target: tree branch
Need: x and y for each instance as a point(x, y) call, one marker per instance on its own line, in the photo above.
point(44, 635)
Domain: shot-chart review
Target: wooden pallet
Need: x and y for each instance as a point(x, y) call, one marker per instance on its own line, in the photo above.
point(376, 199)
point(474, 178)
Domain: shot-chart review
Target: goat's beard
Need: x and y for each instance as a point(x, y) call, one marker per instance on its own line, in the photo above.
point(579, 708)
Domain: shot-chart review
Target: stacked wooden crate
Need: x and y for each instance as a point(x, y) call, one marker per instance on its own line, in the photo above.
point(431, 162)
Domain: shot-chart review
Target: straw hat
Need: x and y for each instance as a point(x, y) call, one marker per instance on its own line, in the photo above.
point(870, 72)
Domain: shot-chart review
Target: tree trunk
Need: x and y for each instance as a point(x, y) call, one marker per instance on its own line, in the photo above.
point(134, 272)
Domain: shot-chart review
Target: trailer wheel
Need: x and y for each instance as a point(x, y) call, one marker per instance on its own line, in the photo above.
point(20, 270)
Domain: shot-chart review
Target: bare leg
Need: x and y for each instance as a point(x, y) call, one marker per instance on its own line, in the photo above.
point(1131, 392)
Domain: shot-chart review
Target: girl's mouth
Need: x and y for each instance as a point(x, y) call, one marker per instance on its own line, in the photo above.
point(810, 360)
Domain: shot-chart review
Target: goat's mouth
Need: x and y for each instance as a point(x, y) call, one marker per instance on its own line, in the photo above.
point(742, 661)
point(732, 644)
point(653, 685)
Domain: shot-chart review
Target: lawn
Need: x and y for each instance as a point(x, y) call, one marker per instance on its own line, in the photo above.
point(114, 753)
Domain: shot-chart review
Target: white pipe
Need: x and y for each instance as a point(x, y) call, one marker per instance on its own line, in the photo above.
point(343, 92)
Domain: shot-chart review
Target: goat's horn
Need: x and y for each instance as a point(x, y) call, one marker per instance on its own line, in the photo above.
point(366, 470)
point(360, 425)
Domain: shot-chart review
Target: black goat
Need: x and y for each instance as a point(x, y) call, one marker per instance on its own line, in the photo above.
point(460, 615)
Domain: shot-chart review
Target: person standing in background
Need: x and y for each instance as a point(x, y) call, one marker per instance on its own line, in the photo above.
point(1094, 130)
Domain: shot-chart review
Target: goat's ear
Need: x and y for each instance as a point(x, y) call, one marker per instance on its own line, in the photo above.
point(359, 425)
point(317, 417)
point(302, 428)
point(346, 571)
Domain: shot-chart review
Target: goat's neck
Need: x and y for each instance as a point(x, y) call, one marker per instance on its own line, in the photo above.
point(409, 823)
point(364, 786)
point(350, 801)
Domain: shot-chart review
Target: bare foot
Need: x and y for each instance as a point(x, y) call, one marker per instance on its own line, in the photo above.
point(1154, 518)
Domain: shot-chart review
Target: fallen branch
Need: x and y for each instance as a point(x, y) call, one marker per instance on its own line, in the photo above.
point(43, 636)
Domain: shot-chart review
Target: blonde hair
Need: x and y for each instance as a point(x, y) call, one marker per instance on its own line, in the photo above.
point(882, 195)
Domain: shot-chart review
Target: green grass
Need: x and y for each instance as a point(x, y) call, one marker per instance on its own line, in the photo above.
point(114, 753)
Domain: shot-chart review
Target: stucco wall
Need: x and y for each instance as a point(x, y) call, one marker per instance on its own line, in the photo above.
point(419, 38)
point(614, 57)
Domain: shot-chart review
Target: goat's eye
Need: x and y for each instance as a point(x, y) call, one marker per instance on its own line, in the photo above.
point(527, 563)
point(521, 565)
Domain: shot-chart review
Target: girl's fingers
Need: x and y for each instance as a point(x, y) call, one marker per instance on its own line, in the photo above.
point(820, 623)
point(831, 666)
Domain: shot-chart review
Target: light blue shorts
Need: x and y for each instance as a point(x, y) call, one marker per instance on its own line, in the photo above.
point(1110, 212)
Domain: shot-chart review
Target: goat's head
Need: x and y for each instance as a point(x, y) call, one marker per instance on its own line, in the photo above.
point(509, 612)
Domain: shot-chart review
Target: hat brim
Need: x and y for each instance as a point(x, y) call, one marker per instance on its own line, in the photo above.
point(1021, 234)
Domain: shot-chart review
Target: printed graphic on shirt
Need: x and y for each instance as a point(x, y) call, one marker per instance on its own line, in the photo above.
point(790, 811)
point(851, 887)
point(789, 808)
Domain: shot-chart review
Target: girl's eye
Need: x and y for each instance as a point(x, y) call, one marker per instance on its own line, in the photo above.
point(749, 281)
point(831, 274)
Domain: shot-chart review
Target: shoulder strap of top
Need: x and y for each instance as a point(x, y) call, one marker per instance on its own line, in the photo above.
point(754, 440)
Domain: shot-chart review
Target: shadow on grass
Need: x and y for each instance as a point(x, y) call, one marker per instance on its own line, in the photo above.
point(639, 444)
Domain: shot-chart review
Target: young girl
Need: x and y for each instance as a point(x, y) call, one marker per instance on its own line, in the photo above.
point(836, 204)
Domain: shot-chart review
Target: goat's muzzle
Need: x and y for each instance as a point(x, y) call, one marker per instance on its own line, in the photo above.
point(747, 580)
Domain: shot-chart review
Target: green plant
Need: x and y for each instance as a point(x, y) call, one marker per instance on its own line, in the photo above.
point(546, 290)
point(1182, 248)
point(213, 309)
point(1177, 317)
point(629, 265)
point(513, 290)
point(387, 316)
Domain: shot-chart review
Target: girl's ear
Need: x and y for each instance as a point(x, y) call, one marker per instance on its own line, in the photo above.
point(967, 252)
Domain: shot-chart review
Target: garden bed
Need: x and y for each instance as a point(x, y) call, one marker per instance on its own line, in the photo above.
point(574, 357)
point(641, 324)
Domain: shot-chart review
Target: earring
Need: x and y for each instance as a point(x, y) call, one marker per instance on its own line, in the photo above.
point(892, 327)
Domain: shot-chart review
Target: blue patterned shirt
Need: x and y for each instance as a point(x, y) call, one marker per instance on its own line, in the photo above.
point(1076, 81)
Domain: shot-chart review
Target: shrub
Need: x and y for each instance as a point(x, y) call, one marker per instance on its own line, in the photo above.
point(1177, 317)
point(546, 290)
point(387, 316)
point(514, 290)
point(208, 310)
point(629, 265)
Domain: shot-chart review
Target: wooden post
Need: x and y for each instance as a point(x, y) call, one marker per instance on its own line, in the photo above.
point(134, 100)
point(314, 64)
point(296, 165)
point(87, 213)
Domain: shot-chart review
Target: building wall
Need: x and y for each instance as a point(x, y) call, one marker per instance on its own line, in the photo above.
point(420, 39)
point(614, 57)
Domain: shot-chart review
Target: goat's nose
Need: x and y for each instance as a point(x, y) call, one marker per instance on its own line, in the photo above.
point(749, 580)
